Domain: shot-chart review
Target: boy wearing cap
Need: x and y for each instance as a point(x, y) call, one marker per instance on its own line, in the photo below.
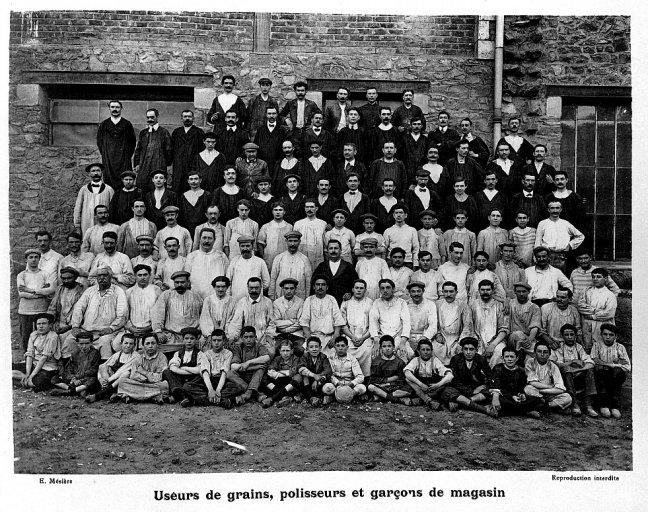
point(369, 221)
point(145, 256)
point(121, 204)
point(194, 202)
point(612, 366)
point(291, 264)
point(35, 288)
point(145, 379)
point(90, 196)
point(42, 355)
point(137, 226)
point(159, 198)
point(237, 227)
point(119, 264)
point(430, 240)
point(183, 366)
point(370, 268)
point(341, 233)
point(172, 229)
point(544, 379)
point(271, 240)
point(92, 237)
point(577, 369)
point(78, 374)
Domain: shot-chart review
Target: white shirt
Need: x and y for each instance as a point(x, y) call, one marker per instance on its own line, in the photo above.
point(558, 235)
point(227, 100)
point(334, 266)
point(423, 195)
point(490, 194)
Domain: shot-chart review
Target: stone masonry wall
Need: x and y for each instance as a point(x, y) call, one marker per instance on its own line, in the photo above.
point(541, 51)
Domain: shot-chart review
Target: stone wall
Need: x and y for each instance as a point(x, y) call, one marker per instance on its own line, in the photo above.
point(542, 51)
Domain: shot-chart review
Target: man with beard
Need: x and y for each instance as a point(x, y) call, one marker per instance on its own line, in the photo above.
point(77, 259)
point(116, 142)
point(153, 152)
point(225, 103)
point(63, 301)
point(186, 144)
point(490, 323)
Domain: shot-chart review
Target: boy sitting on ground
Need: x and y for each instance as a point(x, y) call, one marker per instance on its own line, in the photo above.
point(42, 356)
point(183, 366)
point(78, 375)
point(315, 369)
point(117, 365)
point(428, 377)
point(387, 381)
point(282, 380)
point(511, 379)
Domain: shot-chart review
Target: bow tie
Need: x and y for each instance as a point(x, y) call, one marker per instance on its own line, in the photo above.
point(352, 192)
point(271, 125)
point(422, 189)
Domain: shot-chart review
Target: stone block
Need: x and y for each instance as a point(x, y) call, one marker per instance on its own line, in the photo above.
point(316, 97)
point(483, 29)
point(28, 94)
point(203, 98)
point(554, 106)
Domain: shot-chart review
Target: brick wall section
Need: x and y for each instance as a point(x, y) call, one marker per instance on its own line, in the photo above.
point(541, 51)
point(132, 28)
point(375, 34)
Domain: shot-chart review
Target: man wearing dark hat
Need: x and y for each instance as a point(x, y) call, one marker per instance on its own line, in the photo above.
point(90, 196)
point(116, 142)
point(159, 198)
point(65, 297)
point(258, 107)
point(186, 143)
point(172, 229)
point(174, 310)
point(102, 310)
point(121, 205)
point(154, 150)
point(419, 198)
point(119, 264)
point(249, 167)
point(92, 238)
point(270, 137)
point(145, 256)
point(291, 264)
point(293, 200)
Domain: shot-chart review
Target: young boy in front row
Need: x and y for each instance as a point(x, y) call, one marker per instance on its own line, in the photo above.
point(282, 380)
point(42, 356)
point(78, 374)
point(386, 381)
point(315, 369)
point(184, 365)
point(510, 380)
point(428, 377)
point(612, 366)
point(212, 386)
point(346, 372)
point(117, 365)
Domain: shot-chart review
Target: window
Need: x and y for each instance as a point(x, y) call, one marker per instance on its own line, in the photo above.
point(75, 111)
point(596, 152)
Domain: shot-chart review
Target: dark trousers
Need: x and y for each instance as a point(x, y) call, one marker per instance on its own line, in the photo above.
point(574, 381)
point(196, 390)
point(512, 408)
point(308, 391)
point(608, 384)
point(176, 382)
point(444, 394)
point(43, 380)
point(26, 328)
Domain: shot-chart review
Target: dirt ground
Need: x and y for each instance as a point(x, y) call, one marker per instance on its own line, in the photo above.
point(55, 435)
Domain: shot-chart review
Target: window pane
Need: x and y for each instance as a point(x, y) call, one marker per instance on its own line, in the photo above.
point(568, 143)
point(604, 237)
point(568, 112)
point(586, 135)
point(605, 190)
point(74, 111)
point(624, 113)
point(624, 144)
point(74, 134)
point(605, 144)
point(624, 190)
point(588, 229)
point(623, 237)
point(585, 187)
point(605, 113)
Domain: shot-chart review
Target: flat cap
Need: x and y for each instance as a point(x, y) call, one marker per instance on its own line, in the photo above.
point(342, 211)
point(289, 280)
point(431, 213)
point(369, 241)
point(263, 179)
point(296, 176)
point(180, 273)
point(523, 285)
point(292, 234)
point(96, 164)
point(423, 172)
point(265, 81)
point(128, 174)
point(245, 238)
point(368, 216)
point(32, 251)
point(144, 238)
point(191, 330)
point(69, 270)
point(171, 209)
point(158, 171)
point(109, 234)
point(250, 145)
point(416, 283)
